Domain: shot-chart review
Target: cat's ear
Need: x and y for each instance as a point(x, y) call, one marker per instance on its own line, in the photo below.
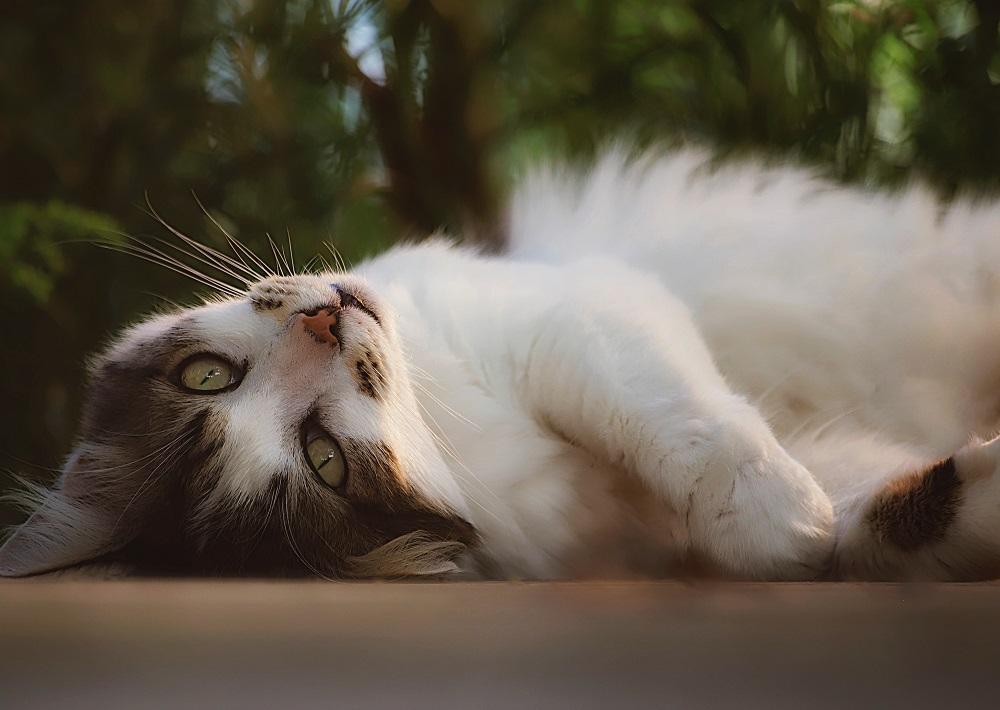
point(81, 519)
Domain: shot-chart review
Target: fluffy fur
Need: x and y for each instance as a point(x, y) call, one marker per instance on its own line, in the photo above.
point(744, 371)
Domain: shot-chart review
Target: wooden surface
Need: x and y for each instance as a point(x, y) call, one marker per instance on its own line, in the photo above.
point(312, 644)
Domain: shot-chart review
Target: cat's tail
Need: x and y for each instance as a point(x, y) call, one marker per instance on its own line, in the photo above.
point(886, 305)
point(627, 201)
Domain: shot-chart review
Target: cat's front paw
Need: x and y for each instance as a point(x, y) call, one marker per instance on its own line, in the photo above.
point(766, 519)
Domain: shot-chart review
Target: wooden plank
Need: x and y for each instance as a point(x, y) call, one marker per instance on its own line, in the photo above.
point(630, 644)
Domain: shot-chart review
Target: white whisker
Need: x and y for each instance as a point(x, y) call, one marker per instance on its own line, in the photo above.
point(208, 256)
point(439, 402)
point(279, 258)
point(308, 267)
point(238, 247)
point(337, 257)
point(326, 265)
point(181, 441)
point(290, 538)
point(197, 257)
point(139, 249)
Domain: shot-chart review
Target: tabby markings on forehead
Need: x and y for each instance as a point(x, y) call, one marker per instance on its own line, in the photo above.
point(266, 303)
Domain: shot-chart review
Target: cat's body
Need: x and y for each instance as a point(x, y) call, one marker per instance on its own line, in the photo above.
point(750, 370)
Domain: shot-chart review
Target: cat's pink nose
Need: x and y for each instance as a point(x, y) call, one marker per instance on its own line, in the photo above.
point(322, 325)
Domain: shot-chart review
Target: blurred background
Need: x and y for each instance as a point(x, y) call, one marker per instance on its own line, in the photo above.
point(362, 123)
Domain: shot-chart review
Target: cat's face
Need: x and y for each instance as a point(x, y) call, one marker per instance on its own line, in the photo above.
point(273, 433)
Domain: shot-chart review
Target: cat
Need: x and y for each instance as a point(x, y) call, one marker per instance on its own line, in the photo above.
point(745, 372)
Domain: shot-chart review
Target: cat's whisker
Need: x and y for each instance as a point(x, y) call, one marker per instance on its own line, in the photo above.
point(290, 538)
point(291, 252)
point(804, 424)
point(243, 251)
point(159, 432)
point(823, 428)
point(155, 255)
point(131, 464)
point(322, 538)
point(438, 401)
point(279, 258)
point(445, 445)
point(438, 435)
point(137, 248)
point(183, 272)
point(169, 301)
point(133, 250)
point(266, 518)
point(178, 445)
point(309, 266)
point(337, 256)
point(241, 258)
point(326, 264)
point(420, 372)
point(245, 273)
point(240, 518)
point(218, 261)
point(238, 247)
point(227, 271)
point(761, 398)
point(31, 465)
point(239, 270)
point(154, 475)
point(105, 469)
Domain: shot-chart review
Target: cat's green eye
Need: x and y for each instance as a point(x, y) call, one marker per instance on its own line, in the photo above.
point(325, 457)
point(208, 374)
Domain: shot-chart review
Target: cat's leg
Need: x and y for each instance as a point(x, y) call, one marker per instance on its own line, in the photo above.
point(622, 371)
point(902, 516)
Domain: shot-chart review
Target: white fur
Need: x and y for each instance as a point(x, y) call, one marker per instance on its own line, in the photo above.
point(843, 301)
point(759, 351)
point(861, 327)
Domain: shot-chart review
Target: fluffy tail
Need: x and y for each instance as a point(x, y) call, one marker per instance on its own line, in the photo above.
point(817, 299)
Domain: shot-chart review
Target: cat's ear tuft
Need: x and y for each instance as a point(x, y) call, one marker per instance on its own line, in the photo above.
point(66, 527)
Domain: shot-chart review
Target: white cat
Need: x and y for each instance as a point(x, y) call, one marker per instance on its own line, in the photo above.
point(672, 370)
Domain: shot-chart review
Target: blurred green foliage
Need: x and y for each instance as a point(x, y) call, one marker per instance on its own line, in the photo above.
point(365, 122)
point(31, 258)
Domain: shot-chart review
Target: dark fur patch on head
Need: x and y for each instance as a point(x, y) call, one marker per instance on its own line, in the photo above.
point(295, 527)
point(269, 296)
point(266, 303)
point(369, 373)
point(298, 527)
point(918, 509)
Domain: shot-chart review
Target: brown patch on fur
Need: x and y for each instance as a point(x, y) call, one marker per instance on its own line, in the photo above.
point(266, 303)
point(269, 295)
point(369, 374)
point(918, 509)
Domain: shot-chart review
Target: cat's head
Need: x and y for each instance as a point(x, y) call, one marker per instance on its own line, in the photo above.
point(275, 432)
